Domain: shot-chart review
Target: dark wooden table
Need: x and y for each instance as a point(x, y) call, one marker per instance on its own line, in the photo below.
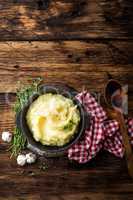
point(77, 42)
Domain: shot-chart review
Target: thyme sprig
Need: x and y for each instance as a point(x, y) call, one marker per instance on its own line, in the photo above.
point(22, 96)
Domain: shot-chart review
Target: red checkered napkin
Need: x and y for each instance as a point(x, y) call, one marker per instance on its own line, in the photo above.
point(102, 133)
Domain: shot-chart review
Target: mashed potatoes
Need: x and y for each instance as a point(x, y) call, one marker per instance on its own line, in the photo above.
point(53, 119)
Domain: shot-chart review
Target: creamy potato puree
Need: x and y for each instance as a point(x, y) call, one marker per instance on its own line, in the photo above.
point(53, 119)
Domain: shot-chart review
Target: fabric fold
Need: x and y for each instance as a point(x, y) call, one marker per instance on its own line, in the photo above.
point(102, 133)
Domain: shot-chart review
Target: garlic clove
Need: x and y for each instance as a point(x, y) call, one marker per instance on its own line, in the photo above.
point(6, 136)
point(21, 160)
point(31, 158)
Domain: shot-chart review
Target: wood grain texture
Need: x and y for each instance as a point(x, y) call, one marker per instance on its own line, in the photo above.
point(77, 42)
point(65, 19)
point(63, 179)
point(85, 62)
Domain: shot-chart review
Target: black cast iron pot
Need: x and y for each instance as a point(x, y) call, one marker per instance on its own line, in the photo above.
point(52, 151)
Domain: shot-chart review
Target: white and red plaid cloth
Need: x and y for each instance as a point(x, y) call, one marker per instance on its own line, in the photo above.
point(102, 133)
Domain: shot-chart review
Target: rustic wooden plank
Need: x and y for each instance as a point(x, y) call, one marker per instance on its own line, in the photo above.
point(32, 54)
point(65, 19)
point(102, 176)
point(10, 82)
point(84, 62)
point(82, 196)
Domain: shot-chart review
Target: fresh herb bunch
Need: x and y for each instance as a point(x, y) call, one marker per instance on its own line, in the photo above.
point(23, 94)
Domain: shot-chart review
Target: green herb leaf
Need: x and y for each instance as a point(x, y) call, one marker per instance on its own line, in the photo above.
point(23, 95)
point(69, 126)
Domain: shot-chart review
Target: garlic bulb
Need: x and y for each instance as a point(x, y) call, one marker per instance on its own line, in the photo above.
point(21, 160)
point(6, 136)
point(30, 158)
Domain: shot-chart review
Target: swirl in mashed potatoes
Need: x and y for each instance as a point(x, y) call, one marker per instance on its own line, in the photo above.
point(53, 119)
